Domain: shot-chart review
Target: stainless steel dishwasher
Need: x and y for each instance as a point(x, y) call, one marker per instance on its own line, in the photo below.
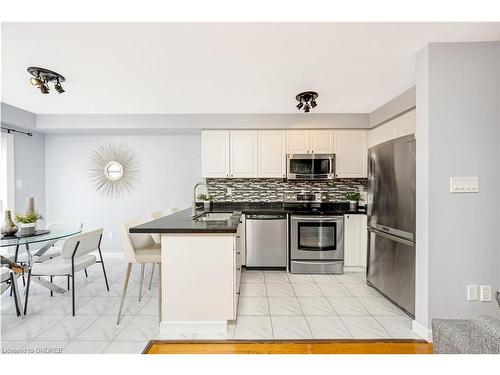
point(266, 240)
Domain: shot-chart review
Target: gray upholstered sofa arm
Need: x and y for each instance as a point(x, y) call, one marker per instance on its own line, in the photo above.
point(474, 336)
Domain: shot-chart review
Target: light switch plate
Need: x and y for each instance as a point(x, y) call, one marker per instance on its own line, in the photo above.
point(19, 184)
point(472, 292)
point(464, 184)
point(485, 293)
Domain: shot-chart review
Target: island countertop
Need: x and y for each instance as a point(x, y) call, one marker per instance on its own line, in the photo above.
point(182, 222)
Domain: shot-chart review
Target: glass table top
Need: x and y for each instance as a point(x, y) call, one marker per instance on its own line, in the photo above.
point(54, 234)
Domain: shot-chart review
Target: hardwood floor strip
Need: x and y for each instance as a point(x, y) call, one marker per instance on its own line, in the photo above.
point(290, 347)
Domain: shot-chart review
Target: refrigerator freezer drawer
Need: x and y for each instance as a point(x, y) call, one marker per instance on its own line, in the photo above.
point(391, 268)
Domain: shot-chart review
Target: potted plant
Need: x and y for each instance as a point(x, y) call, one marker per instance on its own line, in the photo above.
point(353, 198)
point(205, 198)
point(27, 223)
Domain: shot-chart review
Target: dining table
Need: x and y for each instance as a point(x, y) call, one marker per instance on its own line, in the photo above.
point(46, 237)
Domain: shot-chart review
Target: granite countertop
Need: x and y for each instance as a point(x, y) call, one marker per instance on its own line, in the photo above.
point(182, 221)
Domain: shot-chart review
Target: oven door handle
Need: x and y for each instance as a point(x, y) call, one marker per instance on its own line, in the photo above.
point(309, 218)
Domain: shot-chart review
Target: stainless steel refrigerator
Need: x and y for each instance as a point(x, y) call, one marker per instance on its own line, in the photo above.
point(391, 220)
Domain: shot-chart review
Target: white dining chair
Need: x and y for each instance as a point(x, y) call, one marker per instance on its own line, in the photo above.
point(75, 256)
point(56, 246)
point(156, 237)
point(139, 249)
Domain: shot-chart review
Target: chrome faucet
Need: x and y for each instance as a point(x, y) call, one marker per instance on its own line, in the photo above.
point(193, 210)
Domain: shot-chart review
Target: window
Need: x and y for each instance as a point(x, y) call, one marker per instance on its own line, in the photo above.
point(6, 172)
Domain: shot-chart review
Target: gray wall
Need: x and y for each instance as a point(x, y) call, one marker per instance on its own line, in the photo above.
point(170, 166)
point(14, 116)
point(461, 127)
point(393, 108)
point(157, 122)
point(29, 167)
point(29, 158)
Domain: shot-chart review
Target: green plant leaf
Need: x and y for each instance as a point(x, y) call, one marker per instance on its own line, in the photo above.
point(28, 218)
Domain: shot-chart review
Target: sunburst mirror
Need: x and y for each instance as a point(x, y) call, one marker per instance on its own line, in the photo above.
point(113, 170)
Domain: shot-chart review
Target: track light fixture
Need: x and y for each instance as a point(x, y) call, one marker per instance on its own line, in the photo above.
point(307, 100)
point(58, 86)
point(42, 77)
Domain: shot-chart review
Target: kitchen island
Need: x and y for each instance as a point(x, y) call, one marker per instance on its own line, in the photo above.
point(200, 268)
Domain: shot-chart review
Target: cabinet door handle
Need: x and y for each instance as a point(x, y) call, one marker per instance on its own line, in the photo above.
point(238, 252)
point(238, 236)
point(239, 268)
point(237, 292)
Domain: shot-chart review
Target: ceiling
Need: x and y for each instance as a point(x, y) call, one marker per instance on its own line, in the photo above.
point(181, 68)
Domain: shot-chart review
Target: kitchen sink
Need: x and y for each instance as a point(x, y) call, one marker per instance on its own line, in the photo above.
point(214, 216)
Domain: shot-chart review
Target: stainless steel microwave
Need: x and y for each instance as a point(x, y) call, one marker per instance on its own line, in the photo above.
point(310, 167)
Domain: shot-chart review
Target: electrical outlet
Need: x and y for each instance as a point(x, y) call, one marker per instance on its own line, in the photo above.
point(485, 294)
point(110, 235)
point(19, 184)
point(229, 191)
point(472, 292)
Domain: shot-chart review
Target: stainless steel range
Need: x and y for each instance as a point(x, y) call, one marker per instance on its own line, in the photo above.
point(316, 238)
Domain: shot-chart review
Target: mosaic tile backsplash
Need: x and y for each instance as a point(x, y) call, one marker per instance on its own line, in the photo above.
point(272, 190)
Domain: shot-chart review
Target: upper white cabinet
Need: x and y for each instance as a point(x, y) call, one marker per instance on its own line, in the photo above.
point(321, 141)
point(272, 153)
point(406, 123)
point(215, 153)
point(297, 141)
point(310, 141)
point(350, 153)
point(402, 125)
point(243, 145)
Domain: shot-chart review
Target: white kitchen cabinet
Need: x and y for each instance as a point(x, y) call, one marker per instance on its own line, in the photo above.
point(355, 242)
point(241, 238)
point(243, 146)
point(321, 141)
point(239, 242)
point(310, 141)
point(404, 124)
point(272, 153)
point(297, 141)
point(382, 133)
point(350, 153)
point(215, 153)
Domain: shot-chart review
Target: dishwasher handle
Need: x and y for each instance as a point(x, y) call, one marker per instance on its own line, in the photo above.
point(266, 217)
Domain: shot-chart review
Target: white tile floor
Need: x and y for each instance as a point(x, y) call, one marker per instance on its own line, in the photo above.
point(272, 305)
point(277, 305)
point(49, 325)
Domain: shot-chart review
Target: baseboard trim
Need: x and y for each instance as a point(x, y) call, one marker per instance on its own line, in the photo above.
point(354, 269)
point(167, 328)
point(114, 255)
point(422, 331)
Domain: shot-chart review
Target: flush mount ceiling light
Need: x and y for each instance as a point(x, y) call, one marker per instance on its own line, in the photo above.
point(307, 100)
point(42, 77)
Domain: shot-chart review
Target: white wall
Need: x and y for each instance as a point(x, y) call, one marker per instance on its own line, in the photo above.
point(170, 166)
point(458, 127)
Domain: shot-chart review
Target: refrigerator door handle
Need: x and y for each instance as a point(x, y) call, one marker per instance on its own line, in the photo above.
point(391, 237)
